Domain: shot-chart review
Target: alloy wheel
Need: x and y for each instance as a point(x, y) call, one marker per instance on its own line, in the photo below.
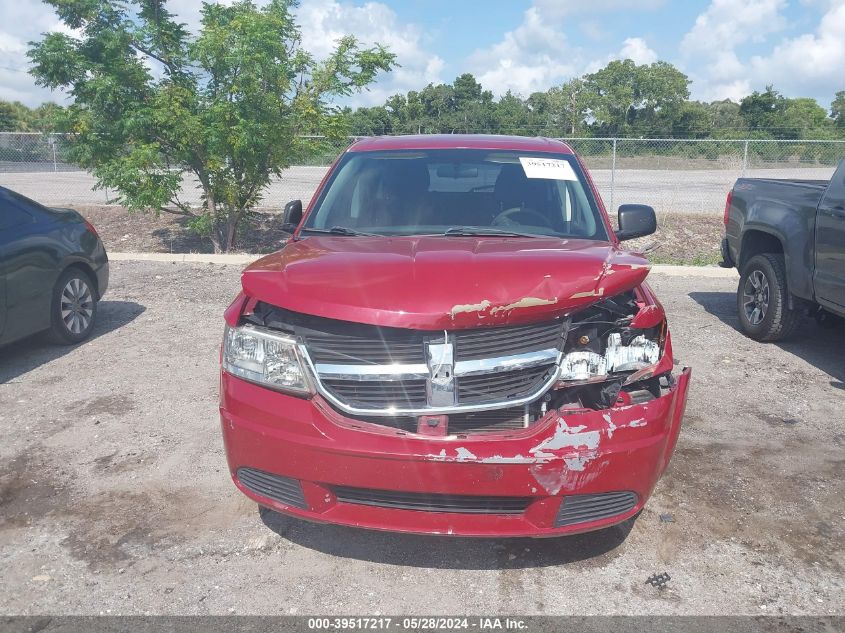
point(755, 297)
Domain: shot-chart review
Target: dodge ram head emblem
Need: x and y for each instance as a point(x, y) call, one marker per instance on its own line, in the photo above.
point(440, 386)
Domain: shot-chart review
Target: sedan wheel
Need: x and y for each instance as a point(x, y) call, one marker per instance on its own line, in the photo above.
point(77, 305)
point(74, 308)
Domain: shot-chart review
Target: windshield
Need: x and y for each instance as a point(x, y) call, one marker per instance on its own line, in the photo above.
point(467, 191)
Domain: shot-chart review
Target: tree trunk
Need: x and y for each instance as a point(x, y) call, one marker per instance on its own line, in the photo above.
point(215, 236)
point(232, 220)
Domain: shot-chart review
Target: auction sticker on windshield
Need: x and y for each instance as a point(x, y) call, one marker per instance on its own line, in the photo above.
point(547, 168)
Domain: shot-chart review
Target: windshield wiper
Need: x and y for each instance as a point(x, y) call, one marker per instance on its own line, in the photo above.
point(341, 230)
point(480, 231)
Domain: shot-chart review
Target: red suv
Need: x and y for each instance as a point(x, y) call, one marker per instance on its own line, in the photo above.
point(452, 342)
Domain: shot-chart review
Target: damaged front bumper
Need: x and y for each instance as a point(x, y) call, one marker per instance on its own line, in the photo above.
point(572, 471)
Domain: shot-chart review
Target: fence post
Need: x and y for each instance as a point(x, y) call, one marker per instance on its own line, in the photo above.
point(53, 145)
point(744, 159)
point(613, 175)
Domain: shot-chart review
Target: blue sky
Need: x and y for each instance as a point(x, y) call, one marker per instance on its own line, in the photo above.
point(727, 47)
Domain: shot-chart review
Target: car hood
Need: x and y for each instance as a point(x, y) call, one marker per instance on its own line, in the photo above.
point(438, 282)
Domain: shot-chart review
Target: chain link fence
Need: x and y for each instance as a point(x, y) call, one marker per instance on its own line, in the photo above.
point(672, 175)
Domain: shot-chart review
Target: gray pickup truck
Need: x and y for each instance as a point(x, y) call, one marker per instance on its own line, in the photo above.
point(787, 239)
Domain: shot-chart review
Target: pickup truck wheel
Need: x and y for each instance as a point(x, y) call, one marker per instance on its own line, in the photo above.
point(73, 308)
point(763, 300)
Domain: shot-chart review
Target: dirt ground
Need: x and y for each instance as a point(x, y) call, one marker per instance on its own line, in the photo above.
point(682, 238)
point(115, 497)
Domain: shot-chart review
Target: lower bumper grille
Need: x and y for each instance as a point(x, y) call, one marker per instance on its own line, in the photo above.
point(586, 508)
point(487, 421)
point(430, 502)
point(282, 489)
point(461, 423)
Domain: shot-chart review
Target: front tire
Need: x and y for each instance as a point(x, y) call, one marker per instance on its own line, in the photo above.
point(763, 299)
point(73, 309)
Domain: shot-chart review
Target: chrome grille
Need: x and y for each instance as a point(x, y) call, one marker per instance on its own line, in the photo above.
point(501, 386)
point(400, 394)
point(371, 371)
point(505, 341)
point(355, 350)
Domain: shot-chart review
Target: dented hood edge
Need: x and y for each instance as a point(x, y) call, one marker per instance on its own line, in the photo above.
point(389, 304)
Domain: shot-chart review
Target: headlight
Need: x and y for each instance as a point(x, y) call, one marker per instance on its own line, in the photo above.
point(264, 357)
point(638, 353)
point(600, 343)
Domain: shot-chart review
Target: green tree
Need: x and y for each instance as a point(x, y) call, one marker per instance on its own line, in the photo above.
point(373, 121)
point(570, 104)
point(837, 109)
point(763, 111)
point(627, 98)
point(726, 121)
point(512, 116)
point(14, 117)
point(769, 114)
point(804, 118)
point(692, 119)
point(227, 107)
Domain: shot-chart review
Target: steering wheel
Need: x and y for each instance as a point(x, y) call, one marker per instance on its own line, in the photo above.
point(504, 218)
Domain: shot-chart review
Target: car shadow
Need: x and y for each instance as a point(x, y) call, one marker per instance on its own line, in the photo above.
point(820, 346)
point(20, 357)
point(448, 552)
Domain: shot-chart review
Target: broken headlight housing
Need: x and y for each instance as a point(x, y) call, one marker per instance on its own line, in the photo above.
point(266, 358)
point(601, 344)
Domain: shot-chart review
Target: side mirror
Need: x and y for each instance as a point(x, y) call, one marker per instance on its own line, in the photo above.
point(636, 220)
point(292, 215)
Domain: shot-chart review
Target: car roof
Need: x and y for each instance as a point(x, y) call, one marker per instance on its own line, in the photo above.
point(461, 141)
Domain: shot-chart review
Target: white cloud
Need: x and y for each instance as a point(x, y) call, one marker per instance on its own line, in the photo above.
point(634, 48)
point(808, 64)
point(323, 22)
point(554, 9)
point(532, 57)
point(537, 55)
point(21, 22)
point(708, 49)
point(637, 49)
point(593, 29)
point(728, 23)
point(811, 62)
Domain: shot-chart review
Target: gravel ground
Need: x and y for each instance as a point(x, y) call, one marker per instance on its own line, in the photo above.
point(115, 496)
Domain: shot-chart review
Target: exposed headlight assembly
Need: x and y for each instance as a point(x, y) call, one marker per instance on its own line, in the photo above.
point(601, 344)
point(268, 358)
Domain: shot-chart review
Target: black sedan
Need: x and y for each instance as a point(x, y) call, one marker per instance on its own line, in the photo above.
point(53, 271)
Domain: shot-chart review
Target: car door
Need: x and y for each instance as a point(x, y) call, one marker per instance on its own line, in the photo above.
point(13, 222)
point(28, 261)
point(830, 243)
